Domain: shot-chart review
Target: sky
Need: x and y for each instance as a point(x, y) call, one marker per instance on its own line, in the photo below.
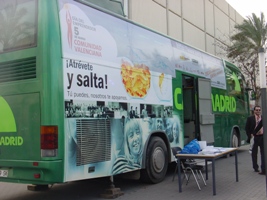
point(247, 7)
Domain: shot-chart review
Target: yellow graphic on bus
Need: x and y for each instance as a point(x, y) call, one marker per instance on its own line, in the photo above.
point(7, 120)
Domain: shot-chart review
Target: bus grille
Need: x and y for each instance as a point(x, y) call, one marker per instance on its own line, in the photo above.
point(93, 141)
point(18, 70)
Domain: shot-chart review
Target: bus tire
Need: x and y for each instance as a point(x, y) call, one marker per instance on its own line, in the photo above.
point(235, 139)
point(156, 161)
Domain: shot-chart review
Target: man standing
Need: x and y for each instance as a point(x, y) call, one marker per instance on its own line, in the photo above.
point(132, 113)
point(144, 112)
point(254, 129)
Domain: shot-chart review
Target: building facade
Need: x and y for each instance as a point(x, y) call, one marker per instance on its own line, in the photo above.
point(204, 24)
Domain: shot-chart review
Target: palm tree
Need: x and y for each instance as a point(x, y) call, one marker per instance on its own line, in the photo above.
point(250, 37)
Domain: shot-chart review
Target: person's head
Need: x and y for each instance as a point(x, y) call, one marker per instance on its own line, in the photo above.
point(133, 139)
point(168, 124)
point(175, 131)
point(159, 123)
point(257, 110)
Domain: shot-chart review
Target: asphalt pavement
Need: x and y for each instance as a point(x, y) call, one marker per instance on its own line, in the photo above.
point(251, 186)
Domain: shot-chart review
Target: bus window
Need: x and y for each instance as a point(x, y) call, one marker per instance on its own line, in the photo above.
point(241, 97)
point(236, 83)
point(233, 83)
point(113, 6)
point(17, 24)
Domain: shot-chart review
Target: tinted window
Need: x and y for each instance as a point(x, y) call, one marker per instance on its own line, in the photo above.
point(17, 24)
point(235, 86)
point(115, 6)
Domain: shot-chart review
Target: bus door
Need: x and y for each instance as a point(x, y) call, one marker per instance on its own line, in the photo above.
point(206, 118)
point(189, 109)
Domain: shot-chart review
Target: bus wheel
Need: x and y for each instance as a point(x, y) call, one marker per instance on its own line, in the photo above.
point(156, 161)
point(235, 140)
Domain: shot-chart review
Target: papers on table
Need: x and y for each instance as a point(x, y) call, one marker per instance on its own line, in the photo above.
point(212, 150)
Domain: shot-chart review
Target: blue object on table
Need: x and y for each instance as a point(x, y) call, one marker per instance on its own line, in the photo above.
point(192, 147)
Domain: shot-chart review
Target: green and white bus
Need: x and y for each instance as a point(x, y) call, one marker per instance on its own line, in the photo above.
point(85, 93)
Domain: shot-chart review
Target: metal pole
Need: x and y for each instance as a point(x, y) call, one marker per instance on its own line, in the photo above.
point(263, 102)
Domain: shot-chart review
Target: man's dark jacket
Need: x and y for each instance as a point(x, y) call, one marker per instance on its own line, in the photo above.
point(250, 127)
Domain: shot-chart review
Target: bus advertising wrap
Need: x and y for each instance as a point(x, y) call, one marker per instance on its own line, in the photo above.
point(121, 76)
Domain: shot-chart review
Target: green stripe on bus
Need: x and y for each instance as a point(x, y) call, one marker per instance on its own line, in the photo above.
point(237, 84)
point(7, 120)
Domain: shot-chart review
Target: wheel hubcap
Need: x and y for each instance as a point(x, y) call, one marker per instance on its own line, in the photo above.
point(158, 159)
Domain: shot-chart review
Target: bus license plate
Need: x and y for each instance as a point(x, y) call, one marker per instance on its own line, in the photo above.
point(3, 173)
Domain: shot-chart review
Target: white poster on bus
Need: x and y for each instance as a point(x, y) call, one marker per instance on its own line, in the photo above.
point(122, 82)
point(94, 70)
point(89, 35)
point(193, 61)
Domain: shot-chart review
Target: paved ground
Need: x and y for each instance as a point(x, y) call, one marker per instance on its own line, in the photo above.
point(251, 186)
